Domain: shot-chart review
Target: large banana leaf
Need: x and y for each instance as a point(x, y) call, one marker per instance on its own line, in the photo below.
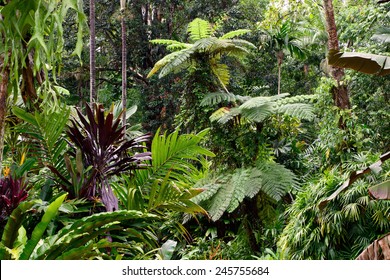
point(378, 250)
point(381, 191)
point(362, 62)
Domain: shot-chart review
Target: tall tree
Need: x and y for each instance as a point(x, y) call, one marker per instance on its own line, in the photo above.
point(92, 51)
point(124, 62)
point(281, 40)
point(340, 92)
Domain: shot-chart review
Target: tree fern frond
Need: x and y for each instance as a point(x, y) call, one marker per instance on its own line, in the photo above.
point(228, 191)
point(259, 113)
point(235, 33)
point(218, 97)
point(199, 29)
point(168, 42)
point(239, 180)
point(233, 112)
point(221, 71)
point(176, 60)
point(261, 100)
point(297, 99)
point(217, 115)
point(276, 179)
point(297, 110)
point(162, 62)
point(220, 202)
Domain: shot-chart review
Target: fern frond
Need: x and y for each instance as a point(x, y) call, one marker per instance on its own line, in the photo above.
point(226, 192)
point(276, 179)
point(217, 115)
point(167, 42)
point(233, 112)
point(297, 99)
point(221, 71)
point(235, 33)
point(177, 59)
point(218, 97)
point(161, 63)
point(297, 110)
point(199, 29)
point(239, 180)
point(259, 113)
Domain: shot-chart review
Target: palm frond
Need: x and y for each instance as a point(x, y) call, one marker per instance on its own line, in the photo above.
point(46, 133)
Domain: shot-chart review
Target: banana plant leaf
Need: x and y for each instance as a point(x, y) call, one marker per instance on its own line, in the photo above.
point(375, 167)
point(362, 62)
point(378, 250)
point(380, 191)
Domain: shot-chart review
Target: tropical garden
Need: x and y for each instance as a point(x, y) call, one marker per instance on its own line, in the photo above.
point(194, 130)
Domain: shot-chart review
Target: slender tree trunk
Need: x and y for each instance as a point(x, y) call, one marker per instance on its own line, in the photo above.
point(92, 51)
point(4, 76)
point(340, 93)
point(280, 56)
point(124, 62)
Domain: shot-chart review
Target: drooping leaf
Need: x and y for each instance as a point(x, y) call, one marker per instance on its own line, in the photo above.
point(362, 62)
point(381, 191)
point(378, 250)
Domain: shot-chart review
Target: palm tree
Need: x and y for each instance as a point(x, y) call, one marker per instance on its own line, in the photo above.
point(92, 51)
point(281, 40)
point(124, 64)
point(203, 46)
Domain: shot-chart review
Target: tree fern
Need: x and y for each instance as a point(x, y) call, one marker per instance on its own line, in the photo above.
point(203, 46)
point(227, 191)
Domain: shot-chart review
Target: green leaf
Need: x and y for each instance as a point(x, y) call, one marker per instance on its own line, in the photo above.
point(40, 229)
point(167, 249)
point(10, 233)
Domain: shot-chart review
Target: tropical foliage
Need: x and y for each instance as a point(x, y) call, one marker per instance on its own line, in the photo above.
point(250, 129)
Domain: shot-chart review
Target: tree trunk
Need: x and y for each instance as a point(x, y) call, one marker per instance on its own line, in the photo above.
point(124, 62)
point(92, 52)
point(280, 56)
point(340, 93)
point(4, 76)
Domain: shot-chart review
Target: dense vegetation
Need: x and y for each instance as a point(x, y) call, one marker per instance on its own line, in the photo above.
point(237, 129)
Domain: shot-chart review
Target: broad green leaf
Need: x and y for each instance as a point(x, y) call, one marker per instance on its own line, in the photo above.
point(40, 229)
